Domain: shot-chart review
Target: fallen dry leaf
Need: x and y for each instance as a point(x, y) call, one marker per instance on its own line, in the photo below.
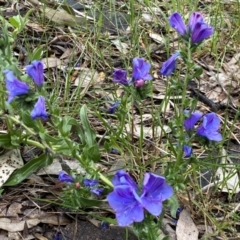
point(14, 209)
point(227, 176)
point(9, 162)
point(186, 229)
point(51, 62)
point(55, 219)
point(121, 47)
point(56, 167)
point(8, 225)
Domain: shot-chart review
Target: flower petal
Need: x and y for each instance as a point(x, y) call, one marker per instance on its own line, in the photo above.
point(169, 66)
point(14, 86)
point(155, 191)
point(194, 18)
point(187, 151)
point(123, 178)
point(97, 191)
point(210, 127)
point(113, 107)
point(200, 32)
point(190, 122)
point(211, 135)
point(39, 110)
point(211, 121)
point(177, 23)
point(35, 71)
point(126, 204)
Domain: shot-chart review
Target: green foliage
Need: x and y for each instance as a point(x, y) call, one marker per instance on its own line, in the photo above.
point(90, 150)
point(33, 165)
point(174, 205)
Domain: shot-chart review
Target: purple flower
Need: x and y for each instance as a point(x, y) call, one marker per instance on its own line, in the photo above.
point(97, 191)
point(64, 177)
point(39, 110)
point(187, 151)
point(210, 127)
point(35, 71)
point(190, 122)
point(14, 86)
point(114, 151)
point(90, 182)
point(177, 23)
point(120, 76)
point(129, 206)
point(104, 225)
point(141, 69)
point(169, 66)
point(197, 29)
point(200, 32)
point(113, 107)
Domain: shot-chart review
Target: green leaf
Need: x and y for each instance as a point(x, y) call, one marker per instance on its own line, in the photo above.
point(5, 140)
point(89, 137)
point(68, 9)
point(198, 72)
point(21, 174)
point(15, 21)
point(49, 139)
point(174, 205)
point(37, 53)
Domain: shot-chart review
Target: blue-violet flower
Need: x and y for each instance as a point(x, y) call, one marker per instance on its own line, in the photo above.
point(187, 151)
point(120, 76)
point(35, 71)
point(128, 205)
point(113, 107)
point(90, 182)
point(169, 66)
point(97, 191)
point(39, 110)
point(64, 177)
point(14, 86)
point(141, 69)
point(210, 127)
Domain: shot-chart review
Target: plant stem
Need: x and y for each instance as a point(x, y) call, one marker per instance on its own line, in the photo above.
point(22, 124)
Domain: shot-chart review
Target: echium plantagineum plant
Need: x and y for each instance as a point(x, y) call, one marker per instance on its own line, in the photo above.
point(190, 125)
point(36, 112)
point(141, 206)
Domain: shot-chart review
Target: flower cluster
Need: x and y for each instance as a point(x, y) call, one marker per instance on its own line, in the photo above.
point(92, 185)
point(209, 127)
point(196, 30)
point(129, 205)
point(15, 88)
point(140, 74)
point(89, 183)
